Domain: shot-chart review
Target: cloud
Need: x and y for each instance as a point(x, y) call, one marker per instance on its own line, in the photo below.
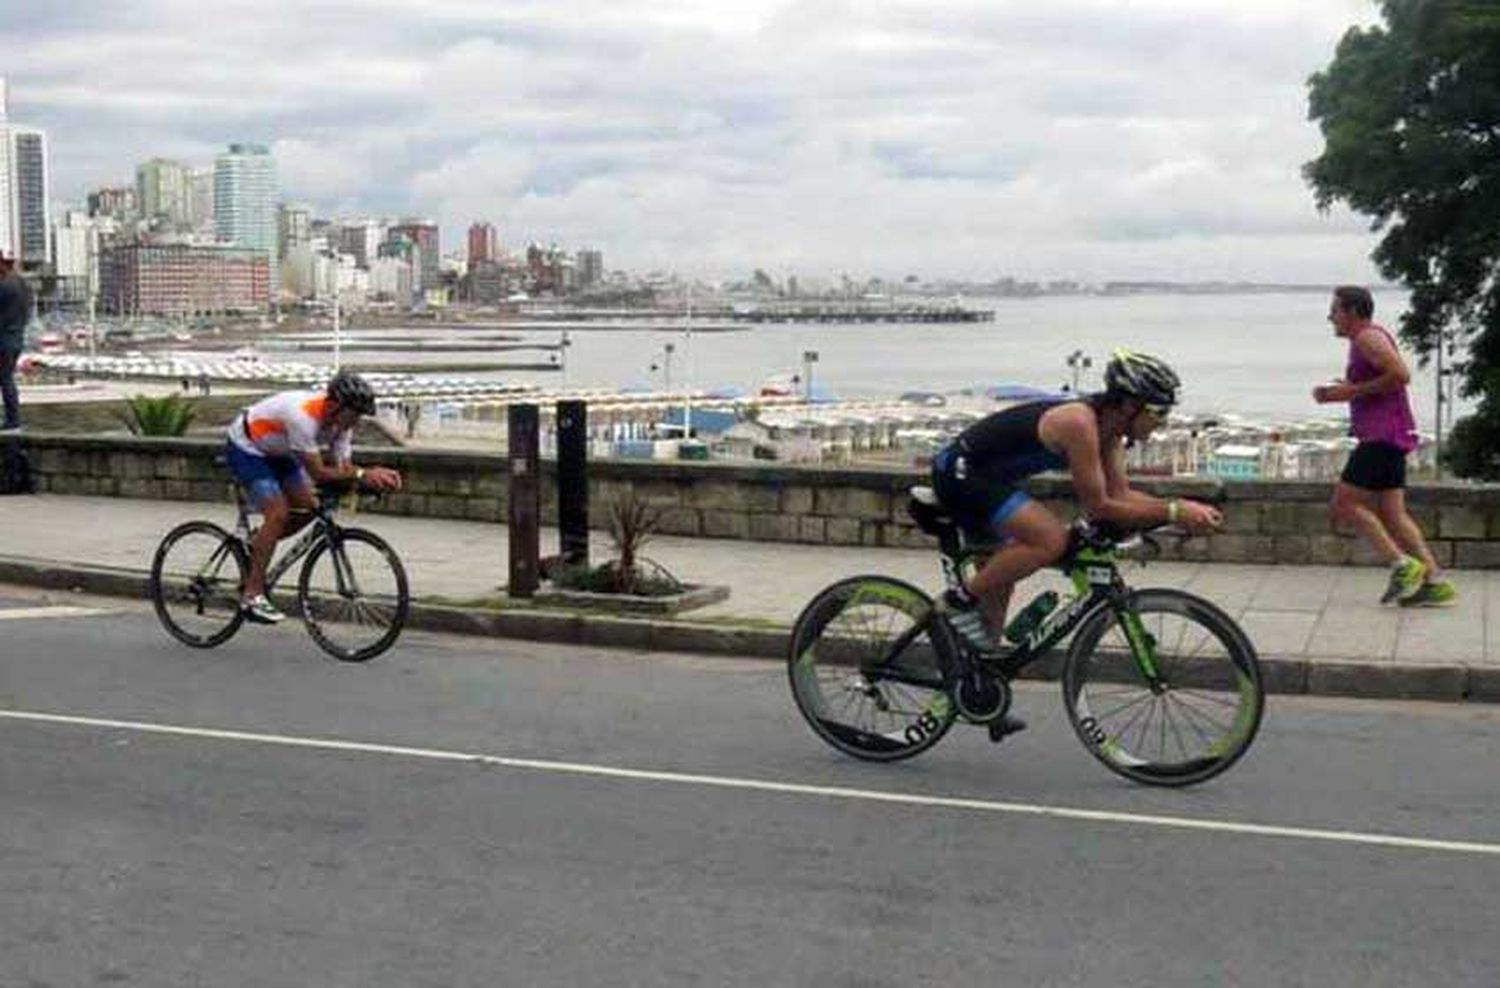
point(1080, 138)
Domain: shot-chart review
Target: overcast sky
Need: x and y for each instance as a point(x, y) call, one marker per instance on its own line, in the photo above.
point(1086, 139)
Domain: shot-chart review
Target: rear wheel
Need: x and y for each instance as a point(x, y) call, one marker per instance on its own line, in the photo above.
point(866, 669)
point(353, 595)
point(1165, 690)
point(195, 583)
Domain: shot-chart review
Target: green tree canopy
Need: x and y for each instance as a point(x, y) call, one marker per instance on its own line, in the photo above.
point(1410, 114)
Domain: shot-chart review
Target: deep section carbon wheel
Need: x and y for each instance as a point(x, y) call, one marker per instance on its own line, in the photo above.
point(1164, 690)
point(866, 671)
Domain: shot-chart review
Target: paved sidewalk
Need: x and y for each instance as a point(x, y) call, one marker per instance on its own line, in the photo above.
point(1307, 612)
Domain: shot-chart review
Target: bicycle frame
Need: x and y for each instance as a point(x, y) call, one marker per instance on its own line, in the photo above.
point(1096, 583)
point(321, 528)
point(316, 531)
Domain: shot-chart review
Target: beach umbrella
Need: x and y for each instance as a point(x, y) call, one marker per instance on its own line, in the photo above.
point(1017, 392)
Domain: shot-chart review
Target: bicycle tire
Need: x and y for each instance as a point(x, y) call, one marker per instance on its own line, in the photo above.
point(321, 606)
point(199, 590)
point(1208, 702)
point(847, 702)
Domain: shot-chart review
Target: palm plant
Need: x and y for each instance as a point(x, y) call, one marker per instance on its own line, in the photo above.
point(168, 415)
point(632, 523)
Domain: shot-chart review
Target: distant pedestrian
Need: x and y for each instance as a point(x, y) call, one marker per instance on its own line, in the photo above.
point(1371, 494)
point(16, 303)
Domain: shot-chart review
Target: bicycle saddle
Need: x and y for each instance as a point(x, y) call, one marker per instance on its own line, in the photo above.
point(928, 512)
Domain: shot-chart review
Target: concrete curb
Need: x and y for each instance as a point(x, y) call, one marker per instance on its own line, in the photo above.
point(1283, 675)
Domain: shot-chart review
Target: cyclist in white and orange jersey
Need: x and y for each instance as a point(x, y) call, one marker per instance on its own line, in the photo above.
point(276, 452)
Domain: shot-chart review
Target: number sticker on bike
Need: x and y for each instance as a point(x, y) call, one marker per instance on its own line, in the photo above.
point(1090, 729)
point(918, 730)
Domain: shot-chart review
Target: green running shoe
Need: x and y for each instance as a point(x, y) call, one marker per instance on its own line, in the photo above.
point(1406, 579)
point(1439, 594)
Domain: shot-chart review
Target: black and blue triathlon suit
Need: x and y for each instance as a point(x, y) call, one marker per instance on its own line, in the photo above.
point(976, 476)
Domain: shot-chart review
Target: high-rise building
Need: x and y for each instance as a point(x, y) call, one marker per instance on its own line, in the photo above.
point(294, 226)
point(164, 193)
point(245, 200)
point(75, 256)
point(361, 239)
point(423, 234)
point(391, 280)
point(590, 268)
point(117, 202)
point(201, 200)
point(25, 185)
point(484, 243)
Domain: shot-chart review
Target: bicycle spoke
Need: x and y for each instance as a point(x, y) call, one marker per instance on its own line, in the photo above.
point(863, 669)
point(195, 583)
point(353, 595)
point(1198, 715)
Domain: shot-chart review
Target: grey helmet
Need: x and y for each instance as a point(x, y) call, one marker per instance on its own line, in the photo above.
point(352, 391)
point(1142, 377)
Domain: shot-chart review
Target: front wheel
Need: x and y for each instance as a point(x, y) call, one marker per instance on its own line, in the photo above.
point(195, 583)
point(866, 669)
point(353, 594)
point(1164, 688)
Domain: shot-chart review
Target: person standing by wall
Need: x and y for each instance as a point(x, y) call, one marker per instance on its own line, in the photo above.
point(1371, 494)
point(16, 303)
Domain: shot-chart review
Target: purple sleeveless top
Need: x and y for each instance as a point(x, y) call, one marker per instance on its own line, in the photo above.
point(1382, 418)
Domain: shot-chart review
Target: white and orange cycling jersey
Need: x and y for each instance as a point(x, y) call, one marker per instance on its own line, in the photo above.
point(288, 424)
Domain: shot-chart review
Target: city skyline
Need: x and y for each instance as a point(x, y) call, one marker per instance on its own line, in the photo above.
point(954, 140)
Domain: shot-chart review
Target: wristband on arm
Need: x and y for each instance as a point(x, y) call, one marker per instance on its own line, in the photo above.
point(1173, 510)
point(359, 475)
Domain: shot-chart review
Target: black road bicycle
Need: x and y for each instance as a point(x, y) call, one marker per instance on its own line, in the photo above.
point(351, 592)
point(1161, 686)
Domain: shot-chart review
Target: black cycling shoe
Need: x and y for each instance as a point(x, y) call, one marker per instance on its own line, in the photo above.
point(1001, 727)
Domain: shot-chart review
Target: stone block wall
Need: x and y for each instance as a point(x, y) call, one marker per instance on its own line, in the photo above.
point(1265, 522)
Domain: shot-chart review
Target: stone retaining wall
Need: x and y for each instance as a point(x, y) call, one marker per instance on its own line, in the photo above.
point(1266, 522)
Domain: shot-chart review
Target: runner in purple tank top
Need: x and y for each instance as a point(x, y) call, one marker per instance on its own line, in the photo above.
point(1371, 494)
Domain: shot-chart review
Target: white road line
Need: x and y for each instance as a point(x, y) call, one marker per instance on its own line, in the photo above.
point(60, 610)
point(761, 785)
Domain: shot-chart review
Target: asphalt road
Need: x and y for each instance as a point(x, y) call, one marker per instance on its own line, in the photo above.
point(466, 812)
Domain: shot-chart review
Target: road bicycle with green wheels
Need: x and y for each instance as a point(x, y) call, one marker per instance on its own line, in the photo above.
point(352, 591)
point(1160, 685)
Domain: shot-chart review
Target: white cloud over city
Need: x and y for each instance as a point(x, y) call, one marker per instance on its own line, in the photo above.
point(1072, 138)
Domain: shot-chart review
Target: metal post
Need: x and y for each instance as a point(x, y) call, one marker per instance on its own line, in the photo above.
point(809, 357)
point(573, 482)
point(1437, 452)
point(687, 354)
point(337, 335)
point(525, 508)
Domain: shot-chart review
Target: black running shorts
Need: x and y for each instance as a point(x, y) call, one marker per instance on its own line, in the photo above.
point(1375, 466)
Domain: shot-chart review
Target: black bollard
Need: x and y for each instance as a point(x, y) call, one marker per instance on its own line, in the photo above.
point(573, 482)
point(525, 510)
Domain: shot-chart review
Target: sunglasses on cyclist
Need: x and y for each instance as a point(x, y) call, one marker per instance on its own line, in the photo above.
point(1158, 411)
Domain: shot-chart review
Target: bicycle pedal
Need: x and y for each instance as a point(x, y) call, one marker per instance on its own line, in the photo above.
point(1003, 727)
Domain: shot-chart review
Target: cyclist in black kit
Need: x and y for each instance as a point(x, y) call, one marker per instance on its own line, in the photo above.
point(977, 478)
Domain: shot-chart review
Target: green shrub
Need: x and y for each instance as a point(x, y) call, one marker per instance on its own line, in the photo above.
point(632, 523)
point(169, 415)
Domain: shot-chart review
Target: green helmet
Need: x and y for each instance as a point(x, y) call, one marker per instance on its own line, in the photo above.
point(1142, 377)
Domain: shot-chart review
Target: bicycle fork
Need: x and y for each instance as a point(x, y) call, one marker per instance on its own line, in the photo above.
point(1142, 646)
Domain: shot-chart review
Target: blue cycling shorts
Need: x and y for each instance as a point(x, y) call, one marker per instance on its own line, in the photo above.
point(265, 477)
point(980, 504)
